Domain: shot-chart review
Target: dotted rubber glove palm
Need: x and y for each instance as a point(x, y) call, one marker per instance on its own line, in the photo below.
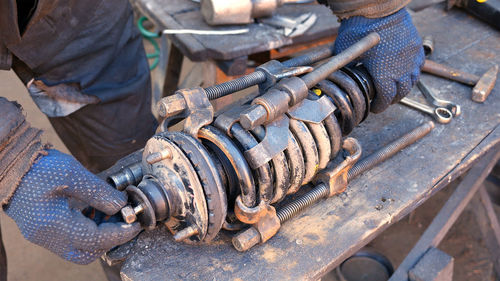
point(394, 64)
point(41, 208)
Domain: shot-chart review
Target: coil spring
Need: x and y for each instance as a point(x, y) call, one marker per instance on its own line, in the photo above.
point(311, 146)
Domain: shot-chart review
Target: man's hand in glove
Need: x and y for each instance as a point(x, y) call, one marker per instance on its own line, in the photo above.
point(40, 207)
point(394, 64)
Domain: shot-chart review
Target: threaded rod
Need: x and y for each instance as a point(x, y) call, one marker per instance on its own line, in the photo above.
point(321, 191)
point(388, 151)
point(257, 77)
point(293, 208)
point(238, 84)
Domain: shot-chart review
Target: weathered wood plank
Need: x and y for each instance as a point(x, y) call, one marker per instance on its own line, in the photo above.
point(186, 14)
point(324, 235)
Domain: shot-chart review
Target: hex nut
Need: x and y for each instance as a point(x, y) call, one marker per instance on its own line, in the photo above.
point(253, 117)
point(128, 214)
point(171, 105)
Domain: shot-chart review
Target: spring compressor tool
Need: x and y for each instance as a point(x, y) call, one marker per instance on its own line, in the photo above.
point(217, 174)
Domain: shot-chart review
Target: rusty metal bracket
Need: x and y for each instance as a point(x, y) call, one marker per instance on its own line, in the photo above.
point(312, 111)
point(275, 71)
point(249, 215)
point(191, 104)
point(226, 120)
point(335, 177)
point(262, 230)
point(275, 142)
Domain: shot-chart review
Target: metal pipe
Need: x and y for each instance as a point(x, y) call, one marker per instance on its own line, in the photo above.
point(389, 150)
point(341, 60)
point(259, 114)
point(257, 77)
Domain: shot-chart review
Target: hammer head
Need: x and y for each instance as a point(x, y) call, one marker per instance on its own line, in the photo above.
point(485, 85)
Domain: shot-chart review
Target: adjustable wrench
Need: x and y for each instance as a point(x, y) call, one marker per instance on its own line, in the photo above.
point(442, 114)
point(431, 98)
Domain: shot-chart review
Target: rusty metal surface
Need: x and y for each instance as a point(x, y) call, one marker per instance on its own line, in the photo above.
point(335, 175)
point(187, 205)
point(224, 148)
point(196, 110)
point(309, 245)
point(312, 111)
point(275, 142)
point(210, 180)
point(185, 14)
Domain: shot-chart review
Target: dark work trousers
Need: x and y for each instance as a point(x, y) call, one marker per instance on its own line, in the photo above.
point(100, 134)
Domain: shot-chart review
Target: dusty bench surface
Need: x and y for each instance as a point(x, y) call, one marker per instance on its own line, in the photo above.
point(185, 14)
point(324, 235)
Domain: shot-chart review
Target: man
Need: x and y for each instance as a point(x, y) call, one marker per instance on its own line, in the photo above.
point(84, 66)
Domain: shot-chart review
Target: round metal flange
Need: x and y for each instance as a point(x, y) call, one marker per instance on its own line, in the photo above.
point(147, 217)
point(168, 164)
point(209, 178)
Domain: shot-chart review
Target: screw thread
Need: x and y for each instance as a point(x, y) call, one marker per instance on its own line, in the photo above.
point(291, 209)
point(389, 150)
point(238, 84)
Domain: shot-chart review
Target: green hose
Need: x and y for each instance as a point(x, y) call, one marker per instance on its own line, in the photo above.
point(150, 36)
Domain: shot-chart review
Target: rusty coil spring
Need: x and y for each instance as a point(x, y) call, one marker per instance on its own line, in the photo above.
point(311, 146)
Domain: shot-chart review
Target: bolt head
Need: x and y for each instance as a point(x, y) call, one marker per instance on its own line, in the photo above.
point(128, 214)
point(171, 105)
point(253, 117)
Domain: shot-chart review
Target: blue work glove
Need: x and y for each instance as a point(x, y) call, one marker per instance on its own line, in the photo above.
point(41, 208)
point(394, 64)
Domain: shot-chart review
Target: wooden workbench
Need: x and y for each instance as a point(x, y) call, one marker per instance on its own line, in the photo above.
point(185, 14)
point(320, 238)
point(222, 57)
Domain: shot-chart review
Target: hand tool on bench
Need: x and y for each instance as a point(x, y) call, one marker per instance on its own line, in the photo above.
point(291, 27)
point(482, 85)
point(431, 98)
point(441, 114)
